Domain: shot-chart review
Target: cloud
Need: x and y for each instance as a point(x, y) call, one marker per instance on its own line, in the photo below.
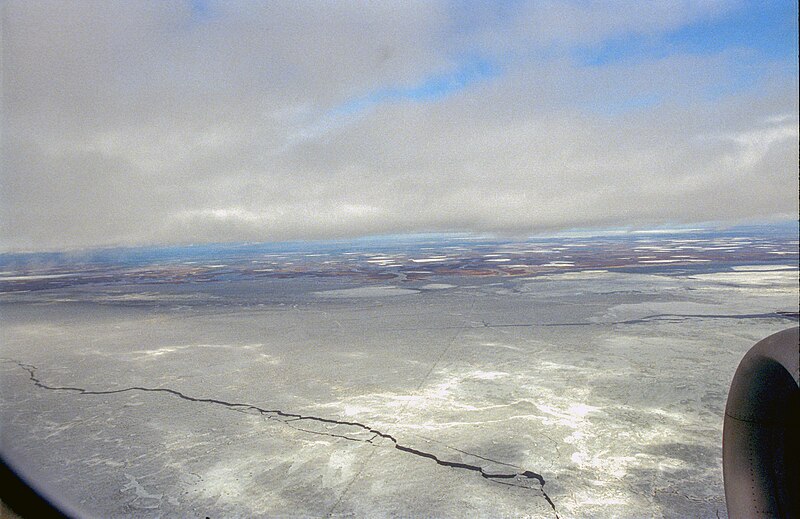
point(134, 123)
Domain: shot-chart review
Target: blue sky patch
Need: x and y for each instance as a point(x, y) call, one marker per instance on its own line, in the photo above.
point(768, 28)
point(432, 88)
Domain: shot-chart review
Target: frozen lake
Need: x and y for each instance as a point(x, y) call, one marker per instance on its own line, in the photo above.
point(570, 383)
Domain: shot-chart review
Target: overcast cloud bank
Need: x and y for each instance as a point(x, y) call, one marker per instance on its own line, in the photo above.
point(184, 122)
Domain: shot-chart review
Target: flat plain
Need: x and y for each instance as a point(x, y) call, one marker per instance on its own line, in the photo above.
point(441, 376)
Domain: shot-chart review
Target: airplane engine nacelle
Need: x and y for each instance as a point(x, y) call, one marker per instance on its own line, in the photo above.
point(761, 432)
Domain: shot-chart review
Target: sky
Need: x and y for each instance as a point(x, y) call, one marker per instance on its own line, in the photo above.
point(176, 122)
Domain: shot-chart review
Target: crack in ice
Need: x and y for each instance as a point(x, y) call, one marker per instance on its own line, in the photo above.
point(670, 318)
point(295, 417)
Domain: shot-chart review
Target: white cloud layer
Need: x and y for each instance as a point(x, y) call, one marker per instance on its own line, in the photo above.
point(142, 123)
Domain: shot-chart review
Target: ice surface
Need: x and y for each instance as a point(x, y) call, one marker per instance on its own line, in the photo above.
point(447, 396)
point(366, 292)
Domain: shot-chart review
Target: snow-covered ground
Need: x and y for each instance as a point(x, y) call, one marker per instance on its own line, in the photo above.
point(455, 396)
